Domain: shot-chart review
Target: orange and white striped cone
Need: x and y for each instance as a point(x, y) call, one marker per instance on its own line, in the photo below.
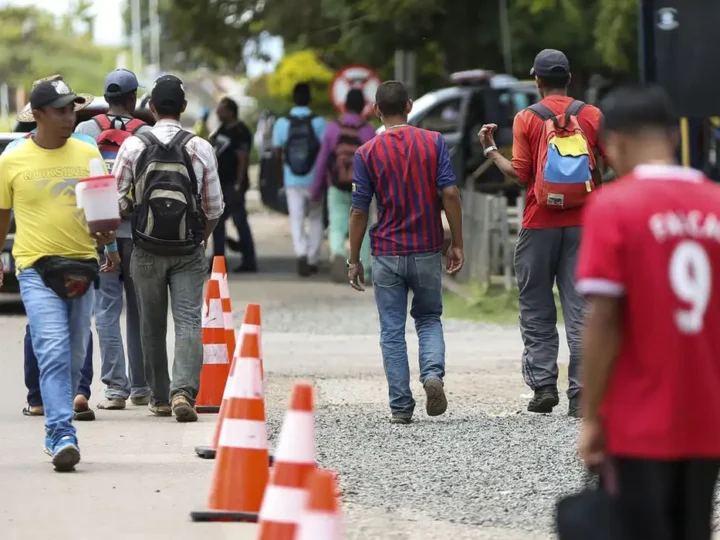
point(250, 325)
point(219, 274)
point(322, 519)
point(216, 361)
point(241, 471)
point(286, 494)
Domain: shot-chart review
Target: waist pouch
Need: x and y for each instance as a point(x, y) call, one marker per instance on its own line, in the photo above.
point(68, 278)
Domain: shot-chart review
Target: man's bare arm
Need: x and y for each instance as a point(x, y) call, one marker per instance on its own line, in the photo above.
point(452, 204)
point(358, 226)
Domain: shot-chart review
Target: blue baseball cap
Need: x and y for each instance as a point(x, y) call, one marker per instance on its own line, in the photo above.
point(120, 82)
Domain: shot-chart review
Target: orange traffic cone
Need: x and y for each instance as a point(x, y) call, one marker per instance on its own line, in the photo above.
point(250, 325)
point(322, 519)
point(216, 362)
point(286, 494)
point(241, 470)
point(219, 274)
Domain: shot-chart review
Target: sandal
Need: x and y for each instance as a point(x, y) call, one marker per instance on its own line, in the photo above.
point(28, 410)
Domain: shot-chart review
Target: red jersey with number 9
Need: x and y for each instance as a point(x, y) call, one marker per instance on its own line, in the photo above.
point(653, 239)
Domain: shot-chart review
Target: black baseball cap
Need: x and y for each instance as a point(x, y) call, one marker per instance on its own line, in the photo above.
point(168, 90)
point(56, 94)
point(550, 63)
point(120, 82)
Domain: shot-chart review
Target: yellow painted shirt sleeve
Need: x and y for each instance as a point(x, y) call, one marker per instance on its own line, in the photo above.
point(42, 186)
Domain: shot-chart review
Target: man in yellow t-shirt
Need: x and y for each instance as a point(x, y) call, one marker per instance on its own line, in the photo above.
point(54, 253)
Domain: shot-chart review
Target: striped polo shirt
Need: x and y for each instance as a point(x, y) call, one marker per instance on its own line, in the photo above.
point(404, 169)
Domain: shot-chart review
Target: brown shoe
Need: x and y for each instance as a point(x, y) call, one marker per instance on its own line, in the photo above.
point(184, 412)
point(160, 409)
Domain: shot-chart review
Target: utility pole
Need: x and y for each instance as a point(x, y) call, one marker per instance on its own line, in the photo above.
point(136, 36)
point(154, 35)
point(505, 36)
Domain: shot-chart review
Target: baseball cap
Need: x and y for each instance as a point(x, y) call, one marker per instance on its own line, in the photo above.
point(168, 89)
point(550, 63)
point(52, 92)
point(119, 82)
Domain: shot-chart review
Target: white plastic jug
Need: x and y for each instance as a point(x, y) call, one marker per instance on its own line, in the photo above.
point(98, 197)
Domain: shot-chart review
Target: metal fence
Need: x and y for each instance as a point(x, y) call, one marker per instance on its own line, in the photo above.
point(490, 228)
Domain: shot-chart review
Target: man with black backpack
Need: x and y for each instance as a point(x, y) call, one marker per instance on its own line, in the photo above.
point(168, 181)
point(296, 141)
point(333, 171)
point(554, 146)
point(110, 131)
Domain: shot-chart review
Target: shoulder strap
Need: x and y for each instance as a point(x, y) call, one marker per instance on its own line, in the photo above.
point(574, 108)
point(133, 125)
point(541, 111)
point(181, 138)
point(103, 121)
point(148, 138)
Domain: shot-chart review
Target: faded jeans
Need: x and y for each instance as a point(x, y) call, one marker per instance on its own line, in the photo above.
point(183, 277)
point(544, 257)
point(60, 330)
point(393, 278)
point(108, 309)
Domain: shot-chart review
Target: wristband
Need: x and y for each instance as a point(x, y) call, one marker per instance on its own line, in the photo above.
point(489, 149)
point(112, 247)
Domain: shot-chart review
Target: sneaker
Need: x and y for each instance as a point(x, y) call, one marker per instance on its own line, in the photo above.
point(112, 404)
point(160, 409)
point(184, 412)
point(303, 268)
point(399, 419)
point(436, 400)
point(140, 401)
point(574, 410)
point(544, 400)
point(338, 270)
point(66, 454)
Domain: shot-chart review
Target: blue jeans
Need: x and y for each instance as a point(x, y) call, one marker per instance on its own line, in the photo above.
point(108, 309)
point(32, 372)
point(393, 278)
point(60, 330)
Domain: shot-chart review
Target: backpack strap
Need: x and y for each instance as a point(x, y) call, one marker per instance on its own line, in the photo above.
point(541, 111)
point(149, 139)
point(103, 122)
point(133, 125)
point(574, 108)
point(180, 139)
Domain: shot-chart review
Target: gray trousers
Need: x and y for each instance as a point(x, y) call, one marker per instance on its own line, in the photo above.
point(184, 278)
point(543, 257)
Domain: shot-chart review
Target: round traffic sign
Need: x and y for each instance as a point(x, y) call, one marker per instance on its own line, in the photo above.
point(354, 76)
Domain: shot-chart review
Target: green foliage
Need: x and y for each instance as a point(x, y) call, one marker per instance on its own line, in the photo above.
point(34, 46)
point(301, 66)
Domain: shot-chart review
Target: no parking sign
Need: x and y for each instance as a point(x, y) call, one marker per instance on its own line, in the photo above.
point(354, 76)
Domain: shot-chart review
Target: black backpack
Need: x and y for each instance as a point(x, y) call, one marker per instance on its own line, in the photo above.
point(302, 145)
point(167, 216)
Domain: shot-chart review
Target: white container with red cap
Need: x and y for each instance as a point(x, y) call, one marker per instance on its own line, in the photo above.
point(97, 195)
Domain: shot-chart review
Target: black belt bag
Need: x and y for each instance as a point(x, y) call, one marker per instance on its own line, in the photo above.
point(68, 278)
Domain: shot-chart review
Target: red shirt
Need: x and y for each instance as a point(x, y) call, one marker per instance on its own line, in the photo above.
point(526, 140)
point(653, 238)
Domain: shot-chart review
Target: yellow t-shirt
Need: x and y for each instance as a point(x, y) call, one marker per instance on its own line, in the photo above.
point(39, 186)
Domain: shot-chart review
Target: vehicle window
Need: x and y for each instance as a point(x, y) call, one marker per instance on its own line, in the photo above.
point(513, 102)
point(443, 117)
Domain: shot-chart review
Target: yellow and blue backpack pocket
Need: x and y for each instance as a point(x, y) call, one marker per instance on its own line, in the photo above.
point(568, 160)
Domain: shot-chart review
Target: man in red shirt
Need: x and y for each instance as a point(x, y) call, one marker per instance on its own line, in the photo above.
point(649, 267)
point(547, 246)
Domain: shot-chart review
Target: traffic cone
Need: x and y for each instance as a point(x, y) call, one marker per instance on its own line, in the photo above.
point(250, 325)
point(322, 519)
point(219, 274)
point(286, 494)
point(241, 469)
point(216, 361)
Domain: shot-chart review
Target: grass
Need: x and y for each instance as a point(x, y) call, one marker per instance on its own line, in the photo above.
point(6, 125)
point(493, 305)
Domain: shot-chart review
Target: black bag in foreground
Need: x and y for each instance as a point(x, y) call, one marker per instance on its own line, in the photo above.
point(68, 278)
point(592, 514)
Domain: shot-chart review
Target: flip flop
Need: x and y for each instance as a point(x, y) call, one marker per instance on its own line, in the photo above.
point(88, 415)
point(27, 411)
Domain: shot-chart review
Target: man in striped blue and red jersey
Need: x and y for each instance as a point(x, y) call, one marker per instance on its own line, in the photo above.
point(409, 173)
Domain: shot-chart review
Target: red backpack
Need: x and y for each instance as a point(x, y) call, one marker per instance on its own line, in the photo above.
point(341, 162)
point(111, 137)
point(565, 161)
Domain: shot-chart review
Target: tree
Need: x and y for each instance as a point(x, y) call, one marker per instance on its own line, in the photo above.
point(34, 47)
point(301, 66)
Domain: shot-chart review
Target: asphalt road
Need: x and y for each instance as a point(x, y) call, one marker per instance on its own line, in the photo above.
point(451, 477)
